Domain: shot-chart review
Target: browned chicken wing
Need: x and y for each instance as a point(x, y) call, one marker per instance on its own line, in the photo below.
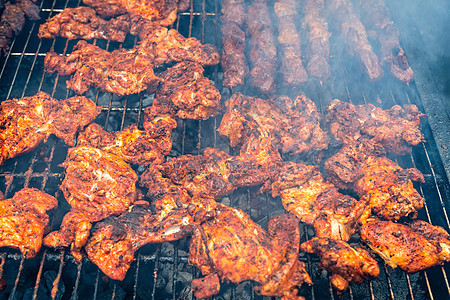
point(293, 126)
point(347, 263)
point(83, 23)
point(397, 128)
point(235, 248)
point(26, 122)
point(305, 193)
point(186, 93)
point(412, 247)
point(97, 185)
point(24, 220)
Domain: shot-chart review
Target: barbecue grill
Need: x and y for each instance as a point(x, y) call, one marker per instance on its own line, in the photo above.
point(161, 270)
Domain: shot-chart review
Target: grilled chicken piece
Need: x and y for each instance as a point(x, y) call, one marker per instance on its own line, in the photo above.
point(397, 128)
point(121, 72)
point(263, 51)
point(347, 263)
point(378, 20)
point(24, 220)
point(355, 35)
point(186, 93)
point(163, 12)
point(235, 248)
point(385, 186)
point(142, 147)
point(234, 62)
point(233, 11)
point(305, 193)
point(168, 45)
point(413, 247)
point(97, 185)
point(290, 54)
point(217, 173)
point(293, 126)
point(170, 217)
point(318, 51)
point(83, 23)
point(26, 122)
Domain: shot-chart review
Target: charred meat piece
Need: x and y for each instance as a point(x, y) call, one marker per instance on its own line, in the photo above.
point(355, 35)
point(384, 185)
point(97, 185)
point(347, 263)
point(186, 93)
point(378, 21)
point(291, 67)
point(318, 51)
point(168, 45)
point(121, 72)
point(217, 173)
point(263, 51)
point(83, 23)
point(235, 248)
point(234, 62)
point(26, 122)
point(162, 12)
point(24, 220)
point(397, 128)
point(170, 217)
point(305, 193)
point(413, 247)
point(142, 147)
point(233, 11)
point(13, 19)
point(293, 126)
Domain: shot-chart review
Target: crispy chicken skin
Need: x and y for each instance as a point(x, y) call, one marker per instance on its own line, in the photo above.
point(170, 216)
point(347, 263)
point(163, 12)
point(121, 72)
point(26, 122)
point(186, 93)
point(397, 128)
point(293, 126)
point(142, 147)
point(380, 182)
point(97, 185)
point(289, 43)
point(24, 220)
point(235, 248)
point(307, 195)
point(355, 35)
point(377, 18)
point(318, 50)
point(83, 23)
point(412, 247)
point(217, 173)
point(263, 51)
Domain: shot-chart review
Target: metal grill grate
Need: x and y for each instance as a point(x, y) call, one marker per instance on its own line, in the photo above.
point(161, 271)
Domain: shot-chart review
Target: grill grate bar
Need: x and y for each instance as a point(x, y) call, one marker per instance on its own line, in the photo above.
point(39, 275)
point(155, 272)
point(13, 292)
point(55, 288)
point(74, 295)
point(136, 275)
point(97, 279)
point(388, 279)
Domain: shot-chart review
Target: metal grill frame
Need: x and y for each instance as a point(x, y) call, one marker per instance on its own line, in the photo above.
point(397, 285)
